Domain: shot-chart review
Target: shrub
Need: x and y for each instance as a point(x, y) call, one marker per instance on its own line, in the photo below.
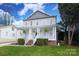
point(21, 41)
point(41, 41)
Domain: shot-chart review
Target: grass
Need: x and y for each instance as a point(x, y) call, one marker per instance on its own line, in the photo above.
point(39, 51)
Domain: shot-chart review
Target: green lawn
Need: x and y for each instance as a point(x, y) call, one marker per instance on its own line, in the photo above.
point(39, 51)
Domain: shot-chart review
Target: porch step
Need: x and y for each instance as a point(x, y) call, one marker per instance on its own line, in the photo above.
point(30, 42)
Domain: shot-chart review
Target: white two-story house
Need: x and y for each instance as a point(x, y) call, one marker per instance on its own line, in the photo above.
point(40, 25)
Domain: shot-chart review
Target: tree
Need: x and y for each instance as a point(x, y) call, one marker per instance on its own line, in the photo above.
point(62, 27)
point(69, 14)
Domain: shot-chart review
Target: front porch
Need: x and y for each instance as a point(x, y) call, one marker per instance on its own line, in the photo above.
point(48, 32)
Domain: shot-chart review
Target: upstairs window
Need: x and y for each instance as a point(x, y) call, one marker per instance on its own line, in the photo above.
point(26, 23)
point(51, 21)
point(31, 22)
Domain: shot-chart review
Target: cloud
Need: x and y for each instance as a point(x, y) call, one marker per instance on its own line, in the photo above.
point(26, 8)
point(40, 7)
point(18, 24)
point(56, 7)
point(1, 3)
point(17, 3)
point(31, 6)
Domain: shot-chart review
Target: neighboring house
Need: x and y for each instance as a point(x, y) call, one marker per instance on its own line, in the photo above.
point(9, 34)
point(38, 25)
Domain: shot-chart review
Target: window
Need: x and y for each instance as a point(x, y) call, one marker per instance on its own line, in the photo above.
point(31, 22)
point(25, 23)
point(0, 32)
point(6, 33)
point(37, 23)
point(12, 28)
point(13, 34)
point(51, 21)
point(20, 33)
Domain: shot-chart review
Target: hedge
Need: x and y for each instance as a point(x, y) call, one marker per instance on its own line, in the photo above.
point(21, 41)
point(41, 41)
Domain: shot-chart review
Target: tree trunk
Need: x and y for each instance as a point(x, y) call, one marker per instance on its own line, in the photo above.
point(70, 34)
point(69, 42)
point(73, 30)
point(65, 36)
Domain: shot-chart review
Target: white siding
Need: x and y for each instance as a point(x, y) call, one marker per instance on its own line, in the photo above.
point(8, 35)
point(49, 23)
point(41, 22)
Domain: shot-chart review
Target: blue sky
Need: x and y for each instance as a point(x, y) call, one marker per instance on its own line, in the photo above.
point(21, 11)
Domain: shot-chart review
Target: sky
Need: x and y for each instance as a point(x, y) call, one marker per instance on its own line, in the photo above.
point(23, 10)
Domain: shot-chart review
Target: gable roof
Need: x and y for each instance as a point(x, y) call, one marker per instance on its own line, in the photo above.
point(38, 15)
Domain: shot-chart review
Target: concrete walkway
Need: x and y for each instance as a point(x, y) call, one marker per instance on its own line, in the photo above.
point(13, 44)
point(6, 44)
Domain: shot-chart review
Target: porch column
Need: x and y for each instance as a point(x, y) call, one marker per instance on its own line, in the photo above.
point(38, 31)
point(30, 33)
point(53, 41)
point(55, 37)
point(53, 32)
